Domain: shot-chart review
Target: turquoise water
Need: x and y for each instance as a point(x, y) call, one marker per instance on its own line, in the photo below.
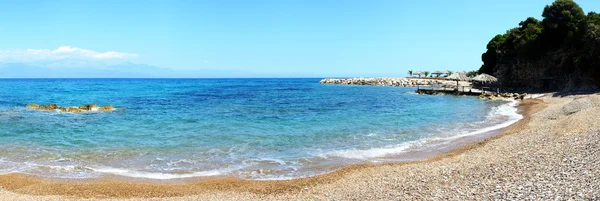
point(247, 128)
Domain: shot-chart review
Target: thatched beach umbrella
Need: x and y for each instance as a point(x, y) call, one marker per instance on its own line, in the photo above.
point(485, 78)
point(419, 73)
point(437, 73)
point(458, 77)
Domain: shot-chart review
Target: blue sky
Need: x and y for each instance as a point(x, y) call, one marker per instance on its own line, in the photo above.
point(278, 38)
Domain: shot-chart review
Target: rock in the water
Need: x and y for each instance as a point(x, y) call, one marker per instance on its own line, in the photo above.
point(89, 107)
point(73, 109)
point(106, 108)
point(33, 106)
point(51, 106)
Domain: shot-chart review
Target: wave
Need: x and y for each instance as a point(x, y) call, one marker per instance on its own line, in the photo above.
point(158, 175)
point(500, 116)
point(508, 112)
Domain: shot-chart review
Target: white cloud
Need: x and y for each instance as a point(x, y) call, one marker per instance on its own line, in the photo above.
point(61, 53)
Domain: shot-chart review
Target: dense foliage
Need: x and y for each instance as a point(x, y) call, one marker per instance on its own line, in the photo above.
point(560, 52)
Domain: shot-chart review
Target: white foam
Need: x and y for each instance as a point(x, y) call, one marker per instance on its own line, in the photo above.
point(370, 153)
point(154, 175)
point(534, 96)
point(254, 161)
point(278, 161)
point(508, 111)
point(158, 175)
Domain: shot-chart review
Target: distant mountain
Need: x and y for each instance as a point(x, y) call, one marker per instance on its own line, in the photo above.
point(81, 69)
point(22, 70)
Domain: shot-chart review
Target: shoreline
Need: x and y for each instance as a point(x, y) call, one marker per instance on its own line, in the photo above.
point(527, 160)
point(498, 118)
point(116, 187)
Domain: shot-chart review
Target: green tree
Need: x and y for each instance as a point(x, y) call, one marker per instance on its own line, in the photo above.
point(426, 73)
point(449, 72)
point(589, 62)
point(410, 72)
point(526, 41)
point(491, 56)
point(593, 18)
point(471, 74)
point(564, 48)
point(562, 22)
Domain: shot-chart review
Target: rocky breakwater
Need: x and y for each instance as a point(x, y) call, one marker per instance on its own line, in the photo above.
point(505, 96)
point(399, 82)
point(72, 109)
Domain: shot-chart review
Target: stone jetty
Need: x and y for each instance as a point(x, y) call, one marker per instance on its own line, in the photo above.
point(399, 82)
point(72, 109)
point(429, 86)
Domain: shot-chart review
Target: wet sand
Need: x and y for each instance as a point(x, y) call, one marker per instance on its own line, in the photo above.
point(553, 152)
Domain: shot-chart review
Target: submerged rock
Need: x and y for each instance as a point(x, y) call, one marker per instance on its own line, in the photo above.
point(50, 106)
point(89, 107)
point(33, 106)
point(73, 109)
point(106, 108)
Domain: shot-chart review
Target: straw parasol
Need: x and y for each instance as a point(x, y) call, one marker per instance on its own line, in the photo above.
point(458, 77)
point(437, 73)
point(419, 73)
point(485, 78)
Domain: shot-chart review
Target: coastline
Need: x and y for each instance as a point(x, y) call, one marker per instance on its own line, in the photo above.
point(366, 181)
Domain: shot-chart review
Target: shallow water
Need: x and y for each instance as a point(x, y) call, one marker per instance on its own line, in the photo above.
point(247, 128)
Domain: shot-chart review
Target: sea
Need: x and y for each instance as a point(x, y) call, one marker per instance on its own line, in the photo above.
point(256, 129)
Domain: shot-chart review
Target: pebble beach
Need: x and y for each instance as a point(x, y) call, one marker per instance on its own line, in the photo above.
point(553, 153)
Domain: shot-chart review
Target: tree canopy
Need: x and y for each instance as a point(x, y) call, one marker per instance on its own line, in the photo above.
point(563, 49)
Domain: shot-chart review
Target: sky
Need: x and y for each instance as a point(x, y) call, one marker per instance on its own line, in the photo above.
point(275, 38)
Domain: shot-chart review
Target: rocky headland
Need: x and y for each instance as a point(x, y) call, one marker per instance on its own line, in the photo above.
point(72, 109)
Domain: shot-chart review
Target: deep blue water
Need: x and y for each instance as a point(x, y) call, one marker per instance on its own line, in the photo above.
point(248, 128)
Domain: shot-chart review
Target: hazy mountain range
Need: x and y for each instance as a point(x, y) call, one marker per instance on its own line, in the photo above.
point(82, 69)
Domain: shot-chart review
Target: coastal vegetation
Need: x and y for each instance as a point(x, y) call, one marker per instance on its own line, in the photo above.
point(471, 74)
point(560, 52)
